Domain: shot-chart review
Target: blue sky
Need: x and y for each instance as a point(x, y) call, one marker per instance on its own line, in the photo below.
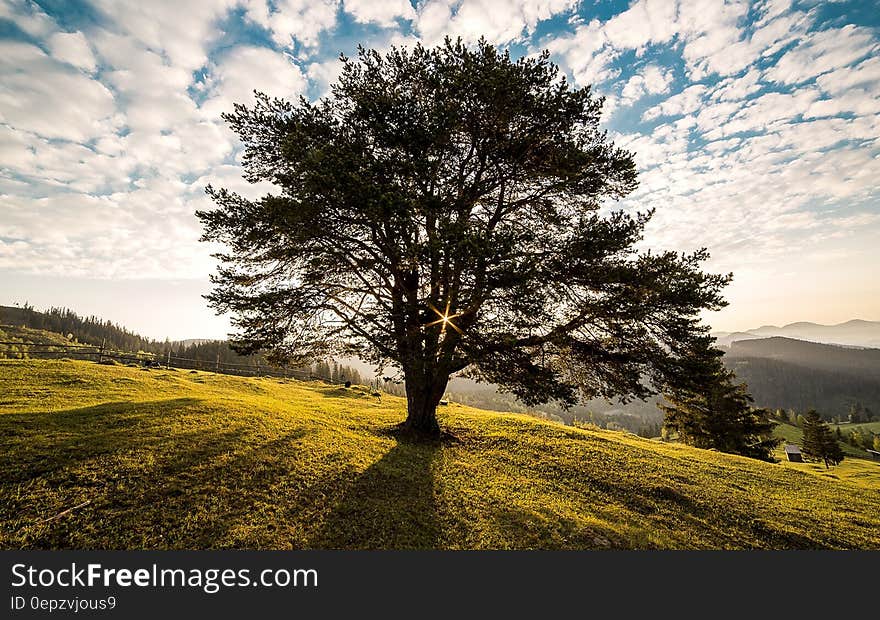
point(756, 127)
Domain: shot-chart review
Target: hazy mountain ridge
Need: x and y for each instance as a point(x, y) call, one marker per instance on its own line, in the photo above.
point(853, 333)
point(790, 373)
point(816, 354)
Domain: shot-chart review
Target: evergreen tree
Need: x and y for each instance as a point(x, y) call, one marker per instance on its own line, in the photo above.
point(440, 210)
point(819, 442)
point(711, 410)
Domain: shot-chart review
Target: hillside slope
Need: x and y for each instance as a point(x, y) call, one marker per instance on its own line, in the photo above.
point(173, 459)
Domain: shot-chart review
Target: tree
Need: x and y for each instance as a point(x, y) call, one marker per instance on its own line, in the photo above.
point(856, 412)
point(819, 442)
point(439, 212)
point(709, 409)
point(877, 443)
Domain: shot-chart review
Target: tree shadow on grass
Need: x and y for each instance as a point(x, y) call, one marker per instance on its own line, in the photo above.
point(153, 474)
point(391, 505)
point(37, 443)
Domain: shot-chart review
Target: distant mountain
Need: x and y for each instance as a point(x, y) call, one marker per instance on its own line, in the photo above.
point(789, 373)
point(855, 333)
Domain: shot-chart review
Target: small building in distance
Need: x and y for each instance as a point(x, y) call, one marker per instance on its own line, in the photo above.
point(793, 453)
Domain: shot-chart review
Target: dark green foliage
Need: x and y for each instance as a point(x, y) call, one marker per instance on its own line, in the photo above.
point(452, 182)
point(819, 442)
point(710, 410)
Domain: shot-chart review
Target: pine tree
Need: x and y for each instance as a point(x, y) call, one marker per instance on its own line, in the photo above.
point(819, 442)
point(711, 410)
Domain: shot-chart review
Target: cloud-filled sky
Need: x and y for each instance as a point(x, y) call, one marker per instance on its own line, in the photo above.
point(756, 128)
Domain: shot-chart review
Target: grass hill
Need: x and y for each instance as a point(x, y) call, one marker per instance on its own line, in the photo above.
point(27, 335)
point(179, 459)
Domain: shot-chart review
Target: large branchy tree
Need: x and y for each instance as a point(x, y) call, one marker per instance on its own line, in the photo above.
point(443, 210)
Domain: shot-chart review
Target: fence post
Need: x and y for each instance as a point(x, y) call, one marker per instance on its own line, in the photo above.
point(168, 363)
point(101, 352)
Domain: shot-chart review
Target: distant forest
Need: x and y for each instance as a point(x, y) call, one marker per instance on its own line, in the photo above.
point(841, 383)
point(97, 332)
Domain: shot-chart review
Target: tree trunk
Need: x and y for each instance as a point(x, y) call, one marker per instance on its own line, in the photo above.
point(423, 394)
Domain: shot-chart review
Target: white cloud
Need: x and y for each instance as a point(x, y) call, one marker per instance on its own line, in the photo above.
point(324, 73)
point(685, 102)
point(586, 54)
point(499, 21)
point(855, 100)
point(294, 20)
point(712, 35)
point(45, 106)
point(385, 13)
point(181, 31)
point(149, 232)
point(823, 51)
point(646, 21)
point(652, 80)
point(245, 69)
point(735, 89)
point(72, 48)
point(842, 79)
point(27, 16)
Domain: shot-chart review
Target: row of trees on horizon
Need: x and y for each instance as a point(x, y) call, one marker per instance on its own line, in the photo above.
point(94, 331)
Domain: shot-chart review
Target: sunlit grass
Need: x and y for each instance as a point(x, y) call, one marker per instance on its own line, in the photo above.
point(174, 459)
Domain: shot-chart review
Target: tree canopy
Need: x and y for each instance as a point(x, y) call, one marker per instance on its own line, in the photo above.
point(447, 210)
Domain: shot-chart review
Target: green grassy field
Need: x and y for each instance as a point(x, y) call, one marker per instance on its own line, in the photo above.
point(873, 427)
point(174, 459)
